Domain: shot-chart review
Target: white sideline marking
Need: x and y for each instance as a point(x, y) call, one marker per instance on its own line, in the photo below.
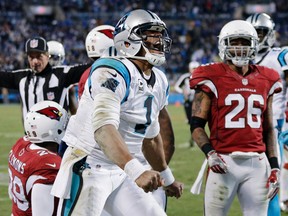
point(4, 199)
point(4, 179)
point(187, 146)
point(11, 135)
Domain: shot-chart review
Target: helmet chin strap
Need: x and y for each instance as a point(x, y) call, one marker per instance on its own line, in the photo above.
point(151, 58)
point(154, 59)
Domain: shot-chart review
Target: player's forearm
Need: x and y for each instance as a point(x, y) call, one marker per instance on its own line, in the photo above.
point(200, 137)
point(270, 141)
point(113, 145)
point(167, 134)
point(154, 154)
point(200, 110)
point(268, 131)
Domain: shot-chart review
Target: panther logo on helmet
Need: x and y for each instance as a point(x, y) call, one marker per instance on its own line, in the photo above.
point(51, 112)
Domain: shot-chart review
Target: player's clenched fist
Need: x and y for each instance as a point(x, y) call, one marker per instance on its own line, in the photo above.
point(216, 162)
point(149, 181)
point(273, 183)
point(175, 189)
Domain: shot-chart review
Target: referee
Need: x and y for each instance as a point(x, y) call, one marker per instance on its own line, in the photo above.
point(41, 81)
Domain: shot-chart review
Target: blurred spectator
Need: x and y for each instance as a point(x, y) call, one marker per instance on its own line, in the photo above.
point(192, 25)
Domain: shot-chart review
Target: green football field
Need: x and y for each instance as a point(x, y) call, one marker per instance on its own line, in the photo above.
point(185, 164)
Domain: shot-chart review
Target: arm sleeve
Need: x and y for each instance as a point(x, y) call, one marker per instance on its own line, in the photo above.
point(75, 73)
point(180, 82)
point(9, 79)
point(42, 199)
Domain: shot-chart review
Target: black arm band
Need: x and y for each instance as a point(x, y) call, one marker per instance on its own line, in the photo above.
point(273, 161)
point(206, 148)
point(196, 122)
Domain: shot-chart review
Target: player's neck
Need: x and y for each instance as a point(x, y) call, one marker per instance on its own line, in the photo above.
point(244, 70)
point(143, 66)
point(51, 146)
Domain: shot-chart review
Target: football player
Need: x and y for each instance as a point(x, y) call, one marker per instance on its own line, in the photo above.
point(56, 58)
point(96, 41)
point(182, 86)
point(33, 160)
point(56, 53)
point(276, 58)
point(235, 97)
point(123, 96)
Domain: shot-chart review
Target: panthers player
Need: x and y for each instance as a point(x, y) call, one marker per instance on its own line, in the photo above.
point(96, 41)
point(56, 58)
point(123, 96)
point(33, 162)
point(235, 97)
point(276, 58)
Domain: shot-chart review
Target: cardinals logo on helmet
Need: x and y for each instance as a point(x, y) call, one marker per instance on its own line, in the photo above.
point(107, 32)
point(51, 112)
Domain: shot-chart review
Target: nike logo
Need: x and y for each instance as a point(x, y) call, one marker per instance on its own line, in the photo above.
point(52, 165)
point(114, 75)
point(261, 158)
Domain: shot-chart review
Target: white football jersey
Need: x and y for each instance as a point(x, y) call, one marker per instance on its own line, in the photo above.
point(141, 102)
point(276, 59)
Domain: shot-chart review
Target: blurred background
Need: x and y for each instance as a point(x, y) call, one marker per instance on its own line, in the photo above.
point(193, 26)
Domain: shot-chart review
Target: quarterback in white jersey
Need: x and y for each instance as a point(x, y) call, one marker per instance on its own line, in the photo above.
point(276, 58)
point(117, 118)
point(98, 39)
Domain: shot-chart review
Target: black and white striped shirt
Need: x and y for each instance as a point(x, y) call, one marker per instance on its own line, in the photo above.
point(50, 84)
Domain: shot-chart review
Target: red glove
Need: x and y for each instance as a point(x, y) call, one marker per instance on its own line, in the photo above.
point(273, 183)
point(216, 162)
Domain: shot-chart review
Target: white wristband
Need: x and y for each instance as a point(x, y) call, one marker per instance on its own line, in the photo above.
point(167, 176)
point(134, 169)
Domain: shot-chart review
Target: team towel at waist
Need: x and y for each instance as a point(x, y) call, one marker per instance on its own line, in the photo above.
point(62, 185)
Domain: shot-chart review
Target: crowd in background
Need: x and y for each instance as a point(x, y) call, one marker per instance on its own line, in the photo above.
point(193, 26)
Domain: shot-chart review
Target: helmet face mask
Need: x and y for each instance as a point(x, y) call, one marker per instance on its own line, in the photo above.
point(136, 30)
point(245, 49)
point(161, 44)
point(46, 122)
point(264, 26)
point(56, 53)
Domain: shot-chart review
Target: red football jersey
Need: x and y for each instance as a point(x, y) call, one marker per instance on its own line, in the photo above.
point(238, 104)
point(28, 166)
point(82, 82)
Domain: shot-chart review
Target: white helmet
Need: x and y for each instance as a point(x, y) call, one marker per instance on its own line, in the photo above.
point(98, 40)
point(56, 53)
point(46, 122)
point(193, 64)
point(240, 55)
point(129, 37)
point(263, 22)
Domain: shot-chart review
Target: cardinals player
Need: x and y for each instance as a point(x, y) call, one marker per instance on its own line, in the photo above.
point(235, 97)
point(33, 161)
point(97, 41)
